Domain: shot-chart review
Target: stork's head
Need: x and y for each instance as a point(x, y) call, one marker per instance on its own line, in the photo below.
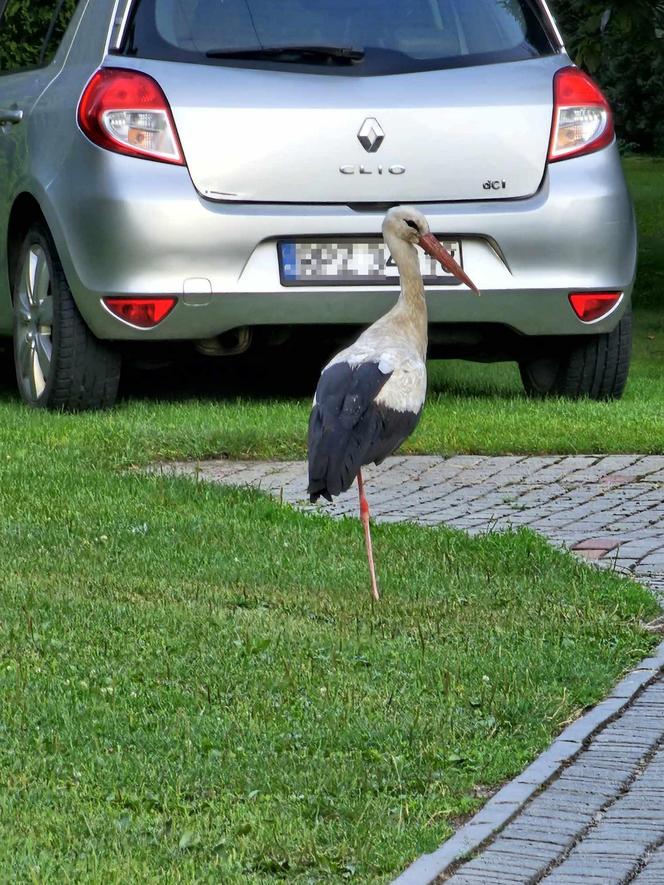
point(409, 225)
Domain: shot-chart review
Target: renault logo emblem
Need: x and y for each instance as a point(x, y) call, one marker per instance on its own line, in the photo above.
point(371, 136)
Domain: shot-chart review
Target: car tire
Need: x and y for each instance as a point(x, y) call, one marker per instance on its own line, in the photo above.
point(60, 364)
point(595, 367)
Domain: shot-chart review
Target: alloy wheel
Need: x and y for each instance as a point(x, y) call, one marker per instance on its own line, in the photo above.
point(34, 324)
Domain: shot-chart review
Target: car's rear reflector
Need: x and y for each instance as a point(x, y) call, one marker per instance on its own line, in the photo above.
point(127, 112)
point(590, 306)
point(582, 117)
point(144, 312)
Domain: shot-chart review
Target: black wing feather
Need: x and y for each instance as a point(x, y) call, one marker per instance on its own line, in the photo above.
point(348, 429)
point(395, 428)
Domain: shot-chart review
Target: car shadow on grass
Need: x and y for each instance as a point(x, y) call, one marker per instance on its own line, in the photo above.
point(7, 373)
point(176, 373)
point(184, 375)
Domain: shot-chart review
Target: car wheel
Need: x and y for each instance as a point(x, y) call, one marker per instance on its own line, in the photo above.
point(596, 367)
point(59, 362)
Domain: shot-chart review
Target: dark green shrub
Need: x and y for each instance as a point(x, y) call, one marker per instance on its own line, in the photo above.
point(621, 43)
point(25, 24)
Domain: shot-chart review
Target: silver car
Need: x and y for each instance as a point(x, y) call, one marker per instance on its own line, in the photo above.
point(217, 171)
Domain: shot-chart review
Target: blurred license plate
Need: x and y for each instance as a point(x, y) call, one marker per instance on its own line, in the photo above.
point(343, 262)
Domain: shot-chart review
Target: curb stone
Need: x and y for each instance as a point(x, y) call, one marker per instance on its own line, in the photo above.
point(512, 798)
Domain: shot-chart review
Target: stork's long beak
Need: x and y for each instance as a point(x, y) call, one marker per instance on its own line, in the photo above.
point(432, 247)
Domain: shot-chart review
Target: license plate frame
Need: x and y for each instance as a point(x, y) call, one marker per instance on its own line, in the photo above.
point(369, 253)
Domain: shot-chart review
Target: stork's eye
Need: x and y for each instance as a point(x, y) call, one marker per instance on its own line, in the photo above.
point(412, 224)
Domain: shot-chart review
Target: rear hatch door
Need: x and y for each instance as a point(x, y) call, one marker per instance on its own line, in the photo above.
point(472, 133)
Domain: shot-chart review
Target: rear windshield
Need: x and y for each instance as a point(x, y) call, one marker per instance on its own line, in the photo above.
point(388, 36)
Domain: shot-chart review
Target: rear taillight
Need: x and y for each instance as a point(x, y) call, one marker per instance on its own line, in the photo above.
point(590, 306)
point(126, 111)
point(142, 311)
point(582, 118)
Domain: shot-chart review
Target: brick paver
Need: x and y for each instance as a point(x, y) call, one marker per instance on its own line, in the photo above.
point(601, 820)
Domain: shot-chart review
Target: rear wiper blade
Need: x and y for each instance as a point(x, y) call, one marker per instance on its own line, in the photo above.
point(343, 53)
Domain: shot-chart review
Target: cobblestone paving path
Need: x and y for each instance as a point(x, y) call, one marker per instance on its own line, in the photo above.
point(601, 821)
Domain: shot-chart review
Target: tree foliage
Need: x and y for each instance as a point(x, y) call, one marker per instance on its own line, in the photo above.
point(621, 43)
point(25, 25)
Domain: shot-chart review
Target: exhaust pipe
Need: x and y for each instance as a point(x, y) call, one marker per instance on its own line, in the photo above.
point(231, 343)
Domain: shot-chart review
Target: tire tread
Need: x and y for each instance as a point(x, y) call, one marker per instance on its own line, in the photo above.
point(596, 367)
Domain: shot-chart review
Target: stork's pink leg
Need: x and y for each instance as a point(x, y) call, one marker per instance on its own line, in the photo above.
point(365, 516)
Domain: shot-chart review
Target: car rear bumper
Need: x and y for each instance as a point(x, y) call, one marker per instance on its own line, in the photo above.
point(126, 226)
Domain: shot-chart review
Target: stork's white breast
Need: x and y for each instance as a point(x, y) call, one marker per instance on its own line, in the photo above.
point(406, 389)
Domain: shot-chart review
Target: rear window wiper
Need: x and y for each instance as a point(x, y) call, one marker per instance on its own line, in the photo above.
point(279, 53)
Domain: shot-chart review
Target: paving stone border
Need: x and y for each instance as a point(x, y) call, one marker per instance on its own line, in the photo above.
point(506, 805)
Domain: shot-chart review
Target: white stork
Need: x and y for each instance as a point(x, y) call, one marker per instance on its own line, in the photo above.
point(370, 396)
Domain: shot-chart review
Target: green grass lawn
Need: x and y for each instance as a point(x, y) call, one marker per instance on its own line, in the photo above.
point(182, 701)
point(194, 686)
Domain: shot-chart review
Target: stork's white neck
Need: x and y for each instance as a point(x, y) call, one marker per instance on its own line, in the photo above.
point(410, 311)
